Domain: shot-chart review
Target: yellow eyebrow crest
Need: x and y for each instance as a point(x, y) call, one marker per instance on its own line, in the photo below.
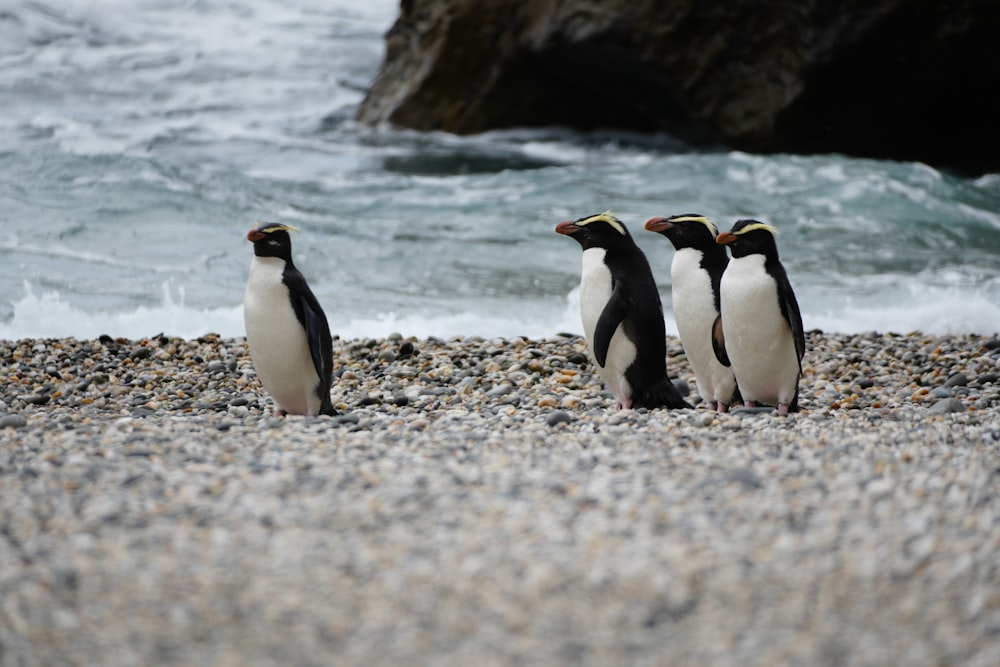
point(604, 217)
point(268, 227)
point(700, 219)
point(755, 226)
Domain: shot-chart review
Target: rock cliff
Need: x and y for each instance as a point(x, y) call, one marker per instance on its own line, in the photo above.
point(903, 79)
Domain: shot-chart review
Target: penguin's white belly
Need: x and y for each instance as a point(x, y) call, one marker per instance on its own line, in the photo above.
point(758, 339)
point(277, 341)
point(694, 311)
point(595, 291)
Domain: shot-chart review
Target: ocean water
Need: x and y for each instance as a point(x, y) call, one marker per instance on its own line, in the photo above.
point(141, 139)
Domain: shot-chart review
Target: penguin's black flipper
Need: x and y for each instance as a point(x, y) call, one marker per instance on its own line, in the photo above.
point(314, 334)
point(614, 313)
point(719, 342)
point(789, 307)
point(310, 314)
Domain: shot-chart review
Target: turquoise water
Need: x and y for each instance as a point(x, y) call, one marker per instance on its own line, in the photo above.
point(141, 140)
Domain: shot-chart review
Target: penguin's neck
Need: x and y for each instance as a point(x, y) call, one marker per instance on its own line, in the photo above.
point(267, 270)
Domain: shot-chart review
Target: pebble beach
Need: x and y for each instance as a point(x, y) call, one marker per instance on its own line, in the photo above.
point(480, 502)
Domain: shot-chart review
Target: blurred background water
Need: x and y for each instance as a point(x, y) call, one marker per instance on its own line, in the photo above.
point(141, 139)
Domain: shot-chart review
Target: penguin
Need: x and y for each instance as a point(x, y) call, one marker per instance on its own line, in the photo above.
point(695, 274)
point(760, 333)
point(622, 315)
point(287, 332)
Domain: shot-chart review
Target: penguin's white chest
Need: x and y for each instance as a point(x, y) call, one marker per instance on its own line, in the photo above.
point(759, 341)
point(695, 313)
point(595, 291)
point(277, 341)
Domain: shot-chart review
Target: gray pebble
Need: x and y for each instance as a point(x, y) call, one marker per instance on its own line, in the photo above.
point(745, 476)
point(557, 417)
point(940, 392)
point(946, 405)
point(759, 410)
point(387, 356)
point(347, 419)
point(13, 421)
point(957, 380)
point(238, 410)
point(500, 390)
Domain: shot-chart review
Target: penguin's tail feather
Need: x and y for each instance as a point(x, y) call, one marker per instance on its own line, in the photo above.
point(325, 404)
point(663, 394)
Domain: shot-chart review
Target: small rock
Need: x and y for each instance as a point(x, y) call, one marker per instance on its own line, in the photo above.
point(745, 476)
point(400, 399)
point(760, 409)
point(940, 392)
point(988, 378)
point(577, 358)
point(946, 405)
point(557, 417)
point(866, 383)
point(347, 419)
point(239, 410)
point(215, 367)
point(701, 419)
point(500, 390)
point(957, 380)
point(13, 421)
point(35, 399)
point(387, 356)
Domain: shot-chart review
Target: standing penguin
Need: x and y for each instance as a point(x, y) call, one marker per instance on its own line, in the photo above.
point(761, 327)
point(622, 315)
point(695, 274)
point(287, 331)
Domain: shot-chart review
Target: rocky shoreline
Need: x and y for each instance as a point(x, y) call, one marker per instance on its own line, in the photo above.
point(480, 501)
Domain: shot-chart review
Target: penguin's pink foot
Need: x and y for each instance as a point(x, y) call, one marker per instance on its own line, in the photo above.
point(783, 409)
point(750, 404)
point(721, 407)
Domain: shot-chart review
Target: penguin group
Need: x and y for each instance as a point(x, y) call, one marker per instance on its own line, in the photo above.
point(737, 317)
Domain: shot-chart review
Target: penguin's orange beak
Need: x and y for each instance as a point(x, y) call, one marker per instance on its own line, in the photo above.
point(725, 237)
point(658, 225)
point(568, 228)
point(255, 235)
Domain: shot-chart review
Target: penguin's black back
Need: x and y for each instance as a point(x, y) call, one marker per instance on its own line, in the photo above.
point(643, 325)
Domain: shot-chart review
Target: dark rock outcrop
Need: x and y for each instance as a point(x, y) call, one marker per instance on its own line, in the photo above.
point(904, 79)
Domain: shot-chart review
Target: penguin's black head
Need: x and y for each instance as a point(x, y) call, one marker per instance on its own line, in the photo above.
point(597, 231)
point(686, 231)
point(271, 239)
point(750, 237)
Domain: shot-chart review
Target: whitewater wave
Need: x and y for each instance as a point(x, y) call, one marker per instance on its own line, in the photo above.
point(49, 315)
